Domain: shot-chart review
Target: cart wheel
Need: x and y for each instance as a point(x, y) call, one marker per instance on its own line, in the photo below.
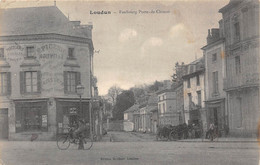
point(173, 136)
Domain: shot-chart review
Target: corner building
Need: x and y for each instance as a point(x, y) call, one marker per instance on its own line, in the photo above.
point(43, 57)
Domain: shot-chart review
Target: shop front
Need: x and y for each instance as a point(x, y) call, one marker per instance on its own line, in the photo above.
point(32, 118)
point(216, 113)
point(69, 112)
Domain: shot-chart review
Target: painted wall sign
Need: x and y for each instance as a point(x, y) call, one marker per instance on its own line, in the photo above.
point(52, 47)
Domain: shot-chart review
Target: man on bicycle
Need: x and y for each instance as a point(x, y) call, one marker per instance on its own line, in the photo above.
point(81, 129)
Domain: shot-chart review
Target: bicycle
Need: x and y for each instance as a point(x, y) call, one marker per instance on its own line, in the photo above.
point(64, 140)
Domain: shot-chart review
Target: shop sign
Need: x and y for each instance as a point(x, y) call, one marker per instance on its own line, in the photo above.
point(73, 110)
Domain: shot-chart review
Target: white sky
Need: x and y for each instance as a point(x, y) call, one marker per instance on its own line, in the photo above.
point(140, 48)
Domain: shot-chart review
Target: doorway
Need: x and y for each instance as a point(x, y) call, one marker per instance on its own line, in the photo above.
point(4, 123)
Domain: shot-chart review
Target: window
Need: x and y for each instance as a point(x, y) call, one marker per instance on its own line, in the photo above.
point(71, 53)
point(237, 64)
point(215, 82)
point(188, 83)
point(190, 98)
point(71, 80)
point(5, 83)
point(237, 31)
point(214, 57)
point(160, 108)
point(30, 82)
point(31, 117)
point(163, 108)
point(198, 80)
point(30, 52)
point(199, 97)
point(2, 53)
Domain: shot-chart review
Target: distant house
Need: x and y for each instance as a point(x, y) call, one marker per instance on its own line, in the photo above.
point(129, 117)
point(193, 93)
point(167, 112)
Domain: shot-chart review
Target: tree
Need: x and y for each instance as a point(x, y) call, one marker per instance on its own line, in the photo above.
point(124, 101)
point(155, 86)
point(113, 92)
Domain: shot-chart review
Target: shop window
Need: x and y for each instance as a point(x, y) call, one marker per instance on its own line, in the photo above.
point(30, 82)
point(71, 80)
point(5, 83)
point(30, 52)
point(31, 118)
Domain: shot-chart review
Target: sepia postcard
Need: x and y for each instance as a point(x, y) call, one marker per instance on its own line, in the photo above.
point(88, 82)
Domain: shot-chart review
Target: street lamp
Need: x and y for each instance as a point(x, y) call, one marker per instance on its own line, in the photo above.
point(80, 91)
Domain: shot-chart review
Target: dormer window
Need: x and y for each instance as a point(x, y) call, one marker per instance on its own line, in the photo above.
point(71, 53)
point(30, 52)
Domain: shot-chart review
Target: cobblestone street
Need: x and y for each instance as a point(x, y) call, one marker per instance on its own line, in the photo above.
point(131, 148)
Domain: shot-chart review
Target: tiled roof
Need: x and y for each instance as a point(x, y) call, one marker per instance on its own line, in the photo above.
point(36, 20)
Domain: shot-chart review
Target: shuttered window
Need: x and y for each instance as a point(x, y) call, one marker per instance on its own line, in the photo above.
point(71, 80)
point(5, 83)
point(30, 82)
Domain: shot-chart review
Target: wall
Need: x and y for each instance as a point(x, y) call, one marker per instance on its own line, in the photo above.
point(51, 56)
point(211, 67)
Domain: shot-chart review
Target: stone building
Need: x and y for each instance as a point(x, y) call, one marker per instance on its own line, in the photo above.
point(215, 72)
point(241, 32)
point(167, 112)
point(43, 57)
point(193, 93)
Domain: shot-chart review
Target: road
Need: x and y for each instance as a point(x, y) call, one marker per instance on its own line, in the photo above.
point(133, 152)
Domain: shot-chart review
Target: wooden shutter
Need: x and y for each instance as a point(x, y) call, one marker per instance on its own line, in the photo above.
point(22, 82)
point(65, 75)
point(9, 87)
point(39, 81)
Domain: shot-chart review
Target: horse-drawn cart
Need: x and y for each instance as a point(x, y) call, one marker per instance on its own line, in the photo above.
point(169, 132)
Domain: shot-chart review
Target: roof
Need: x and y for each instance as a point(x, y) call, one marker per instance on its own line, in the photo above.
point(134, 108)
point(38, 20)
point(195, 67)
point(232, 3)
point(164, 91)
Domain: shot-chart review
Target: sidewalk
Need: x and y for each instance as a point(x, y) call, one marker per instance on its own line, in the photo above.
point(223, 139)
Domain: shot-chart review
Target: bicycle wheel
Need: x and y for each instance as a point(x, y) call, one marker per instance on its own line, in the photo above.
point(63, 142)
point(88, 143)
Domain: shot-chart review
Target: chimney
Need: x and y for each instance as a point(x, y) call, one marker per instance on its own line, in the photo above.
point(215, 33)
point(209, 37)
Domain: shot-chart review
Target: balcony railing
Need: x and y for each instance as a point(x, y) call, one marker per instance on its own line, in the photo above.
point(241, 80)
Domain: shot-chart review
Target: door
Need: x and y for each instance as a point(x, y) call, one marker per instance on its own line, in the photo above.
point(4, 123)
